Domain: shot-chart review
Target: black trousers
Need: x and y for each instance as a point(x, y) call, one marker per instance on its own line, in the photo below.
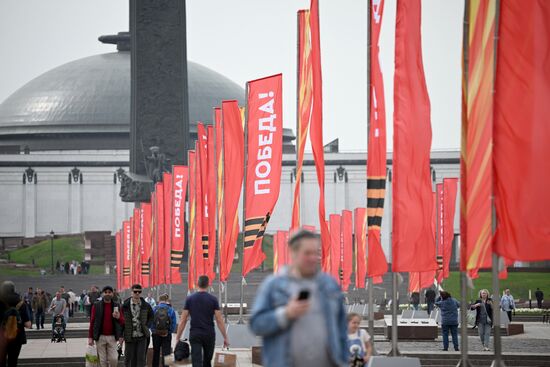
point(9, 357)
point(202, 350)
point(135, 354)
point(40, 318)
point(509, 315)
point(164, 344)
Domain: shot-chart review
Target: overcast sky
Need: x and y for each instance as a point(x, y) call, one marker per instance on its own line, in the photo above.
point(247, 39)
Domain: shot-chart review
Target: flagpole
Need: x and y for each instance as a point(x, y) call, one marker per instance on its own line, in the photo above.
point(371, 308)
point(244, 203)
point(497, 362)
point(394, 330)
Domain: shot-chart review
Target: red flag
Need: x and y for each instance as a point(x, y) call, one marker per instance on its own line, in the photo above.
point(118, 249)
point(220, 210)
point(413, 247)
point(360, 226)
point(127, 252)
point(180, 176)
point(202, 201)
point(335, 245)
point(347, 248)
point(305, 101)
point(437, 227)
point(168, 199)
point(211, 175)
point(280, 250)
point(192, 270)
point(477, 131)
point(233, 162)
point(376, 167)
point(316, 128)
point(160, 250)
point(421, 280)
point(147, 244)
point(263, 163)
point(449, 198)
point(522, 131)
point(153, 266)
point(136, 246)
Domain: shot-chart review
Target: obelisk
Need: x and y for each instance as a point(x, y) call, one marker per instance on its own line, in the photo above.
point(159, 121)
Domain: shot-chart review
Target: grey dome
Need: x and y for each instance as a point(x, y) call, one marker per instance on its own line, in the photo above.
point(85, 104)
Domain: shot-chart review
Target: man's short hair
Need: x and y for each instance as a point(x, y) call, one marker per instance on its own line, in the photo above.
point(136, 286)
point(299, 236)
point(164, 297)
point(203, 282)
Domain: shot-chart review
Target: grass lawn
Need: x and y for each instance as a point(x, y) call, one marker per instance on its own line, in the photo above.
point(267, 246)
point(64, 249)
point(518, 282)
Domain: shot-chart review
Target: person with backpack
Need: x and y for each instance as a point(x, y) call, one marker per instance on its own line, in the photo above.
point(15, 318)
point(106, 324)
point(164, 324)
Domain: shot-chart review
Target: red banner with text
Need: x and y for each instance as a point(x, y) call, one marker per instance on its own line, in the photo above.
point(264, 163)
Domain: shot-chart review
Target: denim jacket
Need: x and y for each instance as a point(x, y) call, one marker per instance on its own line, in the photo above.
point(273, 295)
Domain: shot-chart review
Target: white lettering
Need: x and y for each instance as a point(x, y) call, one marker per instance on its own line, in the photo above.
point(261, 191)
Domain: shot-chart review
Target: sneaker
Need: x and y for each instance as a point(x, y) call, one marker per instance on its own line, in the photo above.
point(457, 350)
point(486, 349)
point(444, 349)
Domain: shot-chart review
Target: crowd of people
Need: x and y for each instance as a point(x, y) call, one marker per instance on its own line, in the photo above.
point(298, 312)
point(73, 267)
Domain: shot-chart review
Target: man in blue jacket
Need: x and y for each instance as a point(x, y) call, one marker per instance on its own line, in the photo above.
point(164, 324)
point(300, 312)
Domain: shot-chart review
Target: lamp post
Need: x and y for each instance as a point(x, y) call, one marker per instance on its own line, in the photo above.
point(52, 235)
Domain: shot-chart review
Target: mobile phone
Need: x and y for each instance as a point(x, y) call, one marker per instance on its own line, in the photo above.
point(303, 295)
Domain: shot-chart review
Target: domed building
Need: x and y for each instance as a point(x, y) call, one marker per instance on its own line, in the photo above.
point(64, 141)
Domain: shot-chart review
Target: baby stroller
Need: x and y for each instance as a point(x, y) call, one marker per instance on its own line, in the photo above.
point(58, 330)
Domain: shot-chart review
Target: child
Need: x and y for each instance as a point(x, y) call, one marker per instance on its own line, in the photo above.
point(359, 346)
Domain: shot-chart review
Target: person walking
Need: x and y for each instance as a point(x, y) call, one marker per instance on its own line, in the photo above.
point(28, 300)
point(14, 320)
point(430, 299)
point(138, 316)
point(203, 308)
point(539, 295)
point(361, 353)
point(507, 303)
point(105, 328)
point(164, 324)
point(300, 313)
point(484, 317)
point(93, 295)
point(58, 307)
point(150, 299)
point(449, 318)
point(415, 300)
point(39, 306)
point(67, 297)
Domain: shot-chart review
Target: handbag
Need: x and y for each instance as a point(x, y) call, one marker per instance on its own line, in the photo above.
point(92, 359)
point(471, 318)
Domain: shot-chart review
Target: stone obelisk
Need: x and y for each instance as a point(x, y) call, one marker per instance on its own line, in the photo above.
point(159, 122)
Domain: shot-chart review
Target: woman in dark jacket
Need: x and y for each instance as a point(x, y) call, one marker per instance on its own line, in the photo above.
point(484, 317)
point(449, 318)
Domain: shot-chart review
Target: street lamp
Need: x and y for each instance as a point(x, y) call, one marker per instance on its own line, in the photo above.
point(52, 235)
